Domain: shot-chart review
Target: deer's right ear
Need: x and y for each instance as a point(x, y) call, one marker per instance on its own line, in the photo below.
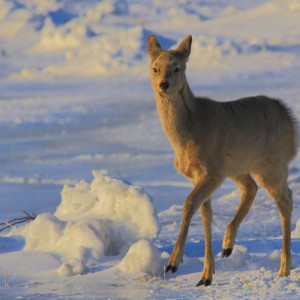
point(153, 47)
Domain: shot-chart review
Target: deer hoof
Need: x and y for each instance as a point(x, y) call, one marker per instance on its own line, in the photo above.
point(205, 282)
point(226, 252)
point(171, 268)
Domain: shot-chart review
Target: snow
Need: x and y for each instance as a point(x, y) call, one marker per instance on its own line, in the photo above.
point(296, 232)
point(76, 97)
point(239, 257)
point(96, 220)
point(142, 257)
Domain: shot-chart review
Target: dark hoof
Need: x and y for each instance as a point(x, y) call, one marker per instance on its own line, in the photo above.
point(226, 252)
point(205, 282)
point(171, 268)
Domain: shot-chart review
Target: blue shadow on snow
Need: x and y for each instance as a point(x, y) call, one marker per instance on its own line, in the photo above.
point(11, 244)
point(253, 246)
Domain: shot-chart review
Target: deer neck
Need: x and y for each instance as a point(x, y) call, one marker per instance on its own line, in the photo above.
point(176, 114)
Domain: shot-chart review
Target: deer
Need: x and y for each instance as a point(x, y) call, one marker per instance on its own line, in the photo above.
point(250, 141)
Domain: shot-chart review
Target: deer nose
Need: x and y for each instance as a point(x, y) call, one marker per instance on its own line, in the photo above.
point(164, 85)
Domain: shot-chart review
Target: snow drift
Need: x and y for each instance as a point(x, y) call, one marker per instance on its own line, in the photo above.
point(98, 219)
point(108, 37)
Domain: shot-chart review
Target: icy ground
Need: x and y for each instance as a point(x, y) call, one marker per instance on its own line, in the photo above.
point(75, 100)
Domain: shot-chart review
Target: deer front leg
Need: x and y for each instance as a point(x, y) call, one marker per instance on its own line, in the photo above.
point(209, 262)
point(198, 196)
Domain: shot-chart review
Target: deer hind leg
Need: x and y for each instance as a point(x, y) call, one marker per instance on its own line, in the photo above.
point(197, 197)
point(209, 262)
point(276, 186)
point(248, 189)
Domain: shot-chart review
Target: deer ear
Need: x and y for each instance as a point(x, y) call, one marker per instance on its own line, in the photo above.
point(184, 49)
point(153, 47)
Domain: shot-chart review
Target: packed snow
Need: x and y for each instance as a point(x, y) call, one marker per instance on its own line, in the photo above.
point(76, 100)
point(92, 221)
point(142, 257)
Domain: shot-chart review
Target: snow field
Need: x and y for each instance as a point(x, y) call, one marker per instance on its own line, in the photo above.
point(68, 39)
point(75, 97)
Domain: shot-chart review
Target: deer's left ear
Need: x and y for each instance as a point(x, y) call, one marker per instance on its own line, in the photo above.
point(153, 47)
point(184, 49)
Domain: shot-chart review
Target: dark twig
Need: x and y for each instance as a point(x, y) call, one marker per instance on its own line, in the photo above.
point(8, 224)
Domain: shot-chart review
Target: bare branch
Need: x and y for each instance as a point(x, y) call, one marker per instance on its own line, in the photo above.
point(8, 224)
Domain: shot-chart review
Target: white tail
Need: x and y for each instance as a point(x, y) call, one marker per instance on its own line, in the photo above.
point(250, 137)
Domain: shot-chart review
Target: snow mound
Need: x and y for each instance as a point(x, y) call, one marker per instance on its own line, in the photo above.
point(239, 256)
point(142, 257)
point(112, 200)
point(94, 220)
point(296, 232)
point(274, 256)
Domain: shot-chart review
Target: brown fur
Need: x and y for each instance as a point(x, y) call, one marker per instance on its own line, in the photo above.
point(250, 137)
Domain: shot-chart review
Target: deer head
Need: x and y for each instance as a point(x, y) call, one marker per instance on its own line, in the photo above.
point(167, 67)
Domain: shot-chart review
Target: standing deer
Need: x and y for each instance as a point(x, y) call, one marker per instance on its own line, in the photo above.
point(250, 137)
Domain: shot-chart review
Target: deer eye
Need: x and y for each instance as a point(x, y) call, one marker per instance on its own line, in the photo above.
point(154, 70)
point(176, 70)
